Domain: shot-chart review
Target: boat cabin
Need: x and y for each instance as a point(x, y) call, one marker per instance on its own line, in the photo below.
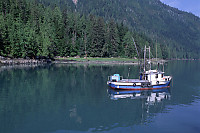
point(115, 78)
point(154, 76)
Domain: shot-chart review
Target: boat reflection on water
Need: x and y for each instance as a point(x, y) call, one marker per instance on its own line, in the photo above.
point(151, 96)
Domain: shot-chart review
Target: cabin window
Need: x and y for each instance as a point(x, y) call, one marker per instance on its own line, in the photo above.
point(146, 77)
point(162, 75)
point(156, 76)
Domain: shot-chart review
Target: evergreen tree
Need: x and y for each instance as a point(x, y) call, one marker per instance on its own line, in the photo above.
point(83, 39)
point(122, 30)
point(129, 49)
point(113, 39)
point(57, 47)
point(98, 40)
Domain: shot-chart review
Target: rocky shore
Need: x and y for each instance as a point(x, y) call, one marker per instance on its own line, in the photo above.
point(94, 62)
point(37, 62)
point(10, 61)
point(20, 61)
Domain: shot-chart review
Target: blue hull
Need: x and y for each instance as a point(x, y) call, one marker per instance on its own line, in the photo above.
point(123, 87)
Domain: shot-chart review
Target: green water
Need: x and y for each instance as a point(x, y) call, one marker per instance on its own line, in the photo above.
point(76, 99)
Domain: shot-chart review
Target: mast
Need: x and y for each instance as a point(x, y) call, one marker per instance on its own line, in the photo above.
point(144, 56)
point(149, 58)
point(149, 64)
point(156, 50)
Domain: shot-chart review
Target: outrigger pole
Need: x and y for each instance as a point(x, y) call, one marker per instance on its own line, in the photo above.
point(136, 48)
point(137, 53)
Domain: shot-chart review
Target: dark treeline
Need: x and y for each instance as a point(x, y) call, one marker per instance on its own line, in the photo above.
point(178, 32)
point(30, 29)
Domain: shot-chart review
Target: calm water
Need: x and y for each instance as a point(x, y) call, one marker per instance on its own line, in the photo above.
point(76, 99)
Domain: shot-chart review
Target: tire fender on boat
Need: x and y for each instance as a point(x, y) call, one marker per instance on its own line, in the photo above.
point(142, 85)
point(157, 82)
point(149, 84)
point(134, 84)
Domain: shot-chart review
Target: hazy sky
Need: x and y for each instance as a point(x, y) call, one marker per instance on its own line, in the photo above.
point(192, 6)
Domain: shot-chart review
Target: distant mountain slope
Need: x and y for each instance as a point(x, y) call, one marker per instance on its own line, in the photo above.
point(176, 31)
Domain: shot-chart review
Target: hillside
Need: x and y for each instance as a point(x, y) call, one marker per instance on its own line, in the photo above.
point(32, 30)
point(178, 32)
point(96, 28)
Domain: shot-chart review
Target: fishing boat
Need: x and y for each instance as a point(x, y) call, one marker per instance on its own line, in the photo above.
point(148, 79)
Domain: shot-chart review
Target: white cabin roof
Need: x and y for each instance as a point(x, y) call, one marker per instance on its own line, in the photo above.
point(154, 72)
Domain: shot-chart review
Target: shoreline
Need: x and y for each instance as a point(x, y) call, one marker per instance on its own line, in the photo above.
point(14, 62)
point(94, 62)
point(6, 61)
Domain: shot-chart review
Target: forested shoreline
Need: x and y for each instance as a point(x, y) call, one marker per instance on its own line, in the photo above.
point(31, 29)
